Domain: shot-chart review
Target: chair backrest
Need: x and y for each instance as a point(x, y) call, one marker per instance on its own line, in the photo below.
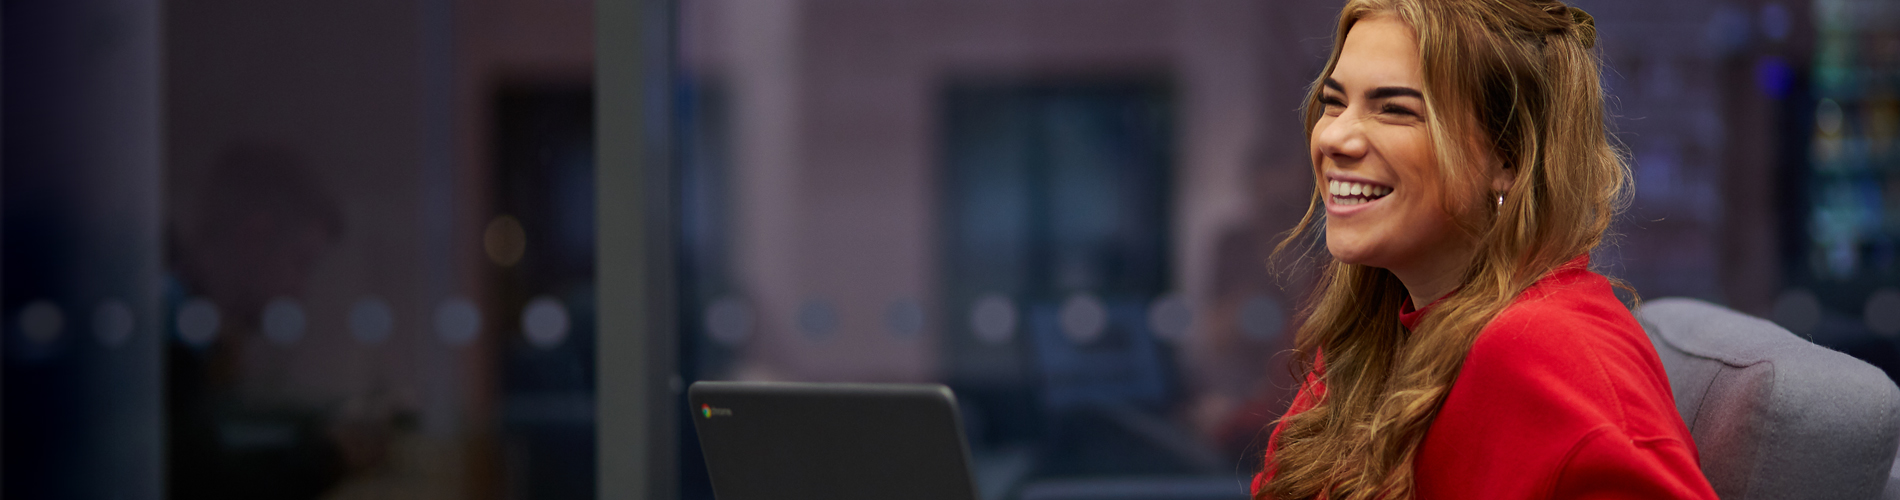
point(1773, 415)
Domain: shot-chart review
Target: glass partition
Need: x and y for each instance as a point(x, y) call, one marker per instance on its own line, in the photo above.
point(1064, 213)
point(379, 246)
point(418, 249)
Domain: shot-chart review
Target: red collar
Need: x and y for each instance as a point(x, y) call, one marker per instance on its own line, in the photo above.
point(1410, 317)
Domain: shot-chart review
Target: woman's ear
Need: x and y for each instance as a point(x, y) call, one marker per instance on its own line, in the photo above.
point(1503, 175)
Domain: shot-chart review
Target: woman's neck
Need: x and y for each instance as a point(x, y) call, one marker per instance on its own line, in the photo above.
point(1425, 291)
point(1431, 277)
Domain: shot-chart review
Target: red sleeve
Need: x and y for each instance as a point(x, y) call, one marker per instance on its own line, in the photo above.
point(1259, 479)
point(1608, 464)
point(1310, 391)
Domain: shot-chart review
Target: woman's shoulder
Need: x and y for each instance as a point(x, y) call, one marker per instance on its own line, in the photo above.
point(1570, 342)
point(1570, 312)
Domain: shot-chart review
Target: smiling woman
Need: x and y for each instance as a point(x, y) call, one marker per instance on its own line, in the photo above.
point(1373, 138)
point(1461, 163)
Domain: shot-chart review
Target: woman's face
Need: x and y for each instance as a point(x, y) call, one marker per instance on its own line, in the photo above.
point(1373, 155)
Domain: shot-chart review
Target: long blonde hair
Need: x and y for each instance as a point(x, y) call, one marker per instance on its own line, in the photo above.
point(1511, 83)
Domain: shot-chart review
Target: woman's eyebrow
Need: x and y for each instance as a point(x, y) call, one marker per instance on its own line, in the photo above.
point(1377, 93)
point(1384, 92)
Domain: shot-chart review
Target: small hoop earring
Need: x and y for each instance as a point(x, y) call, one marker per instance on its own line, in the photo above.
point(1500, 199)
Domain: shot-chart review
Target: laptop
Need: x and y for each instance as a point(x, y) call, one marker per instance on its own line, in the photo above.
point(793, 441)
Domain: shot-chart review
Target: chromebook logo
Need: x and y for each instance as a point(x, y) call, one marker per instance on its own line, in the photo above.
point(709, 412)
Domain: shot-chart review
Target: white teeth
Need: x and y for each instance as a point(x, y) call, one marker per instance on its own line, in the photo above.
point(1342, 188)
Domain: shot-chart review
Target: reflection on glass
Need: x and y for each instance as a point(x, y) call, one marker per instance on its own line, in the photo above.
point(994, 196)
point(379, 245)
point(284, 321)
point(993, 318)
point(42, 321)
point(457, 321)
point(257, 237)
point(113, 322)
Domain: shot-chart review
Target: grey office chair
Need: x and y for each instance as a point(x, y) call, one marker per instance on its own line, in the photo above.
point(1772, 415)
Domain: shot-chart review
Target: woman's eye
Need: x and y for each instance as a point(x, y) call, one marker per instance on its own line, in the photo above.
point(1331, 103)
point(1398, 110)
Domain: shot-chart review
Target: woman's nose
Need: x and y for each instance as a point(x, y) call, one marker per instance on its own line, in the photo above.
point(1341, 137)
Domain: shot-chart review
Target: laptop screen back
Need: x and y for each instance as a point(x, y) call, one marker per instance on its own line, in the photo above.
point(786, 441)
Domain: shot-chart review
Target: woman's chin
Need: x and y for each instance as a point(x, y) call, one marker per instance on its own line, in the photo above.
point(1360, 248)
point(1347, 252)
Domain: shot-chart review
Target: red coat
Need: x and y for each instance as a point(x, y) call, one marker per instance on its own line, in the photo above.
point(1562, 397)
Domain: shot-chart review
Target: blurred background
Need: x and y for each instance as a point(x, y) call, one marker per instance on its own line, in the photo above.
point(365, 249)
